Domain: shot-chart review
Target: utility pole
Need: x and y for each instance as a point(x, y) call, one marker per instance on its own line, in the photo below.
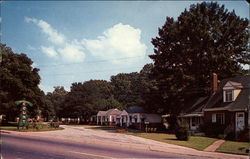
point(249, 107)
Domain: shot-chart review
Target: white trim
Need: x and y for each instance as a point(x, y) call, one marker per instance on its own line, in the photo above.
point(237, 129)
point(214, 118)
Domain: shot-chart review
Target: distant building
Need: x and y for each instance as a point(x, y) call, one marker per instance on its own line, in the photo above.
point(134, 117)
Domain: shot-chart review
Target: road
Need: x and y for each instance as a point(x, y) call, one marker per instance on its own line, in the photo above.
point(76, 142)
point(27, 147)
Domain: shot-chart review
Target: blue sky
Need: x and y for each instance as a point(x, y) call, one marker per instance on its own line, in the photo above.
point(78, 41)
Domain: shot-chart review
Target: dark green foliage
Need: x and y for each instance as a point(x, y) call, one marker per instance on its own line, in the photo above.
point(18, 80)
point(181, 131)
point(36, 125)
point(55, 102)
point(54, 124)
point(86, 99)
point(126, 88)
point(213, 129)
point(204, 39)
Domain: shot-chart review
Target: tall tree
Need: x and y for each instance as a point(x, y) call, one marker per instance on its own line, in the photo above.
point(205, 39)
point(85, 99)
point(127, 88)
point(55, 101)
point(18, 80)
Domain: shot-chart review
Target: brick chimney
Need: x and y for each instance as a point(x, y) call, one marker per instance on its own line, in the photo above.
point(214, 83)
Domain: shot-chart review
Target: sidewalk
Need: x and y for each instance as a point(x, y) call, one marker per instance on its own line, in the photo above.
point(103, 138)
point(214, 146)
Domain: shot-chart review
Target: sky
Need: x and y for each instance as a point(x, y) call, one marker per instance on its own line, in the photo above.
point(82, 40)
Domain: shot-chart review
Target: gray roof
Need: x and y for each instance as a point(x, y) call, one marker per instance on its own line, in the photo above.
point(196, 105)
point(242, 101)
point(135, 110)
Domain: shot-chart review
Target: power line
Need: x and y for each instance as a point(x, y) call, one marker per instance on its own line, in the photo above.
point(86, 62)
point(109, 70)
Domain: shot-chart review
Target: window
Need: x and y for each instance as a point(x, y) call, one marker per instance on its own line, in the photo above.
point(228, 95)
point(218, 118)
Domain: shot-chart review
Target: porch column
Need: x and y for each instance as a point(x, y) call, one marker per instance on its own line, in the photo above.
point(121, 120)
point(128, 120)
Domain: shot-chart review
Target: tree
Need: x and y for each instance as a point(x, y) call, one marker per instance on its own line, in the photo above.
point(86, 99)
point(18, 80)
point(55, 101)
point(205, 39)
point(127, 89)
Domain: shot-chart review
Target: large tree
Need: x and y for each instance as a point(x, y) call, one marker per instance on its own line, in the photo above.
point(128, 88)
point(19, 80)
point(55, 102)
point(87, 98)
point(206, 38)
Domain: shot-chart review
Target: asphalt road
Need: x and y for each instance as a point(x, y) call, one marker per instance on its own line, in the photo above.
point(27, 147)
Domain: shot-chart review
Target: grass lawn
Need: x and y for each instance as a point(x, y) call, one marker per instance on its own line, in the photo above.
point(196, 142)
point(14, 128)
point(234, 147)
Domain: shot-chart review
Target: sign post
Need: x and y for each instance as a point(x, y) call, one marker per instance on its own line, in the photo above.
point(23, 116)
point(146, 123)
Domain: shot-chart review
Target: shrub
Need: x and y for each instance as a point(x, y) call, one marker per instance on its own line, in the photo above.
point(36, 125)
point(243, 136)
point(230, 136)
point(54, 124)
point(213, 129)
point(181, 131)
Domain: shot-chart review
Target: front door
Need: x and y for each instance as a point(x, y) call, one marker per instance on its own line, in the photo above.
point(240, 121)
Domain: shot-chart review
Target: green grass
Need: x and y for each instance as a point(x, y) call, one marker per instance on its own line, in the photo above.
point(14, 128)
point(234, 147)
point(196, 142)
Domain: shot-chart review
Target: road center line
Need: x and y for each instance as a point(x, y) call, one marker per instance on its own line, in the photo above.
point(88, 154)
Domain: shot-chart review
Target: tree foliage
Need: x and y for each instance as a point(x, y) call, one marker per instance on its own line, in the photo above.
point(205, 39)
point(55, 102)
point(19, 80)
point(87, 98)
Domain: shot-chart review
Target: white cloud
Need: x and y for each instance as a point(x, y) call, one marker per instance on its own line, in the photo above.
point(53, 35)
point(50, 51)
point(118, 41)
point(68, 51)
point(72, 52)
point(34, 65)
point(0, 19)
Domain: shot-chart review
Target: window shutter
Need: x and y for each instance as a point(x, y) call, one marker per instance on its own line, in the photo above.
point(213, 118)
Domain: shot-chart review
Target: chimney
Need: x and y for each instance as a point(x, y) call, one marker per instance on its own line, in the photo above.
point(214, 83)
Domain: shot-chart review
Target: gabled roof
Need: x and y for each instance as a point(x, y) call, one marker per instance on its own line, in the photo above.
point(101, 113)
point(196, 105)
point(242, 101)
point(236, 85)
point(113, 112)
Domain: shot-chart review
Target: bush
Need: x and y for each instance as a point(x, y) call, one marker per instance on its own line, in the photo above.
point(36, 125)
point(213, 129)
point(54, 125)
point(243, 136)
point(231, 136)
point(181, 131)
